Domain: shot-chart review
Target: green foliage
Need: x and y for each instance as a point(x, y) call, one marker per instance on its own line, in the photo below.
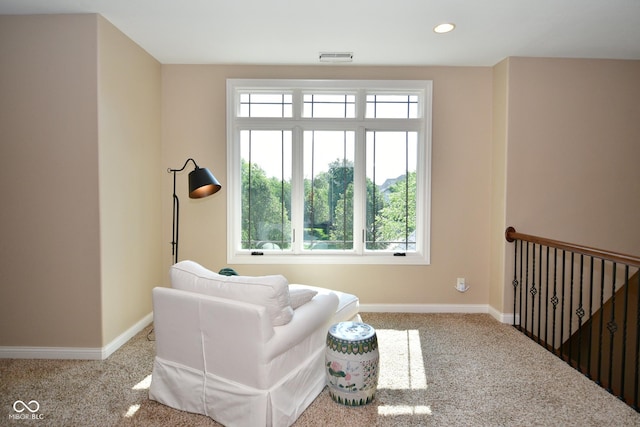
point(316, 200)
point(265, 216)
point(328, 209)
point(375, 204)
point(398, 217)
point(342, 225)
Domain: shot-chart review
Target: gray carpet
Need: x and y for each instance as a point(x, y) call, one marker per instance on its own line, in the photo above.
point(436, 370)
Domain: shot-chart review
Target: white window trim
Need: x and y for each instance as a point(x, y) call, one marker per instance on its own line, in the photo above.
point(423, 199)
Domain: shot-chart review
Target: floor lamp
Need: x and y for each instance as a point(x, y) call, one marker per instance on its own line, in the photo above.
point(202, 183)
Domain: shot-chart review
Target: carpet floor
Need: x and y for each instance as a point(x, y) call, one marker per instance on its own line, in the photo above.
point(435, 370)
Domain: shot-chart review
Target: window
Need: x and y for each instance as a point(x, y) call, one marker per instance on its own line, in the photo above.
point(331, 171)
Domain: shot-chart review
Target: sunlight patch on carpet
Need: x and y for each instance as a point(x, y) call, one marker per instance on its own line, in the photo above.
point(144, 384)
point(132, 410)
point(404, 410)
point(401, 360)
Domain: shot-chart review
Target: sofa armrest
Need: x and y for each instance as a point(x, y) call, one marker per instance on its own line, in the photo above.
point(307, 318)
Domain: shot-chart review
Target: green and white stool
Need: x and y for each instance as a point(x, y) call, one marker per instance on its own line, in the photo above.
point(352, 363)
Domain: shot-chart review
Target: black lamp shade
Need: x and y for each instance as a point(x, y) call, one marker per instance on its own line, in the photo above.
point(202, 183)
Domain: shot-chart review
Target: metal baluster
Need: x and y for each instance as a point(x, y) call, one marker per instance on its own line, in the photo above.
point(546, 306)
point(600, 332)
point(539, 290)
point(612, 327)
point(570, 312)
point(590, 317)
point(533, 292)
point(580, 314)
point(624, 330)
point(521, 290)
point(526, 288)
point(562, 304)
point(637, 364)
point(515, 280)
point(554, 299)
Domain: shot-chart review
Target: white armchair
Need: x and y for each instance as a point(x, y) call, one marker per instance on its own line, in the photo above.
point(235, 349)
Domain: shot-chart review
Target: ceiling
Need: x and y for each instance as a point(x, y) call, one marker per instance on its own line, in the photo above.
point(378, 32)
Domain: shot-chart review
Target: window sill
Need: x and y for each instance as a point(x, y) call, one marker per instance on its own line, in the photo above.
point(369, 259)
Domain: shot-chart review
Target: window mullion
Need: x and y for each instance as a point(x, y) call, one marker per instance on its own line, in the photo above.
point(234, 209)
point(423, 198)
point(359, 178)
point(359, 193)
point(406, 192)
point(361, 104)
point(297, 191)
point(298, 104)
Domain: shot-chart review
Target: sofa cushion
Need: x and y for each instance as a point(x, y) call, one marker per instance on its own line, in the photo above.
point(300, 295)
point(348, 304)
point(348, 307)
point(271, 292)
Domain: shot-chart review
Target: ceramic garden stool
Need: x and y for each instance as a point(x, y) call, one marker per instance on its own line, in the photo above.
point(352, 363)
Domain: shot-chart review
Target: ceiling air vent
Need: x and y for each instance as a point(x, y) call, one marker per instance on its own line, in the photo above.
point(336, 56)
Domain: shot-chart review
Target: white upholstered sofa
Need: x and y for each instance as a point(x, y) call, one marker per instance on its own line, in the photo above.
point(245, 351)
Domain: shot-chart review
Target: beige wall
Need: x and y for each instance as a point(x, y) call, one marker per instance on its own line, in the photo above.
point(50, 257)
point(498, 185)
point(194, 126)
point(574, 145)
point(79, 123)
point(573, 151)
point(130, 179)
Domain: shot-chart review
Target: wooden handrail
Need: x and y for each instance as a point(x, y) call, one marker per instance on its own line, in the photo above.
point(511, 234)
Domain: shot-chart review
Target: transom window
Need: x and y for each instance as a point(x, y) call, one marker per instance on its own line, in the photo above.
point(331, 171)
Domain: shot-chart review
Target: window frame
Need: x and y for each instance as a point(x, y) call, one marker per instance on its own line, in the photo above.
point(360, 124)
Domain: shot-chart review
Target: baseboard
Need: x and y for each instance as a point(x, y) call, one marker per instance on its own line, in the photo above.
point(121, 339)
point(437, 308)
point(72, 353)
point(76, 353)
point(502, 317)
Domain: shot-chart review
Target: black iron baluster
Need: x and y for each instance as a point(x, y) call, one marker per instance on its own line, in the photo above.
point(590, 317)
point(600, 332)
point(624, 329)
point(539, 290)
point(562, 304)
point(521, 290)
point(570, 312)
point(546, 301)
point(515, 280)
point(554, 299)
point(580, 314)
point(612, 327)
point(526, 288)
point(533, 291)
point(637, 364)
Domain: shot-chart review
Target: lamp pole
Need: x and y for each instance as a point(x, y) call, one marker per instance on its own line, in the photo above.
point(202, 183)
point(176, 222)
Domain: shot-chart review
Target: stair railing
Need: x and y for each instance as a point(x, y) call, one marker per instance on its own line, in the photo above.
point(581, 304)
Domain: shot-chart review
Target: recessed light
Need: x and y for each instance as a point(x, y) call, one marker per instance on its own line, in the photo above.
point(444, 28)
